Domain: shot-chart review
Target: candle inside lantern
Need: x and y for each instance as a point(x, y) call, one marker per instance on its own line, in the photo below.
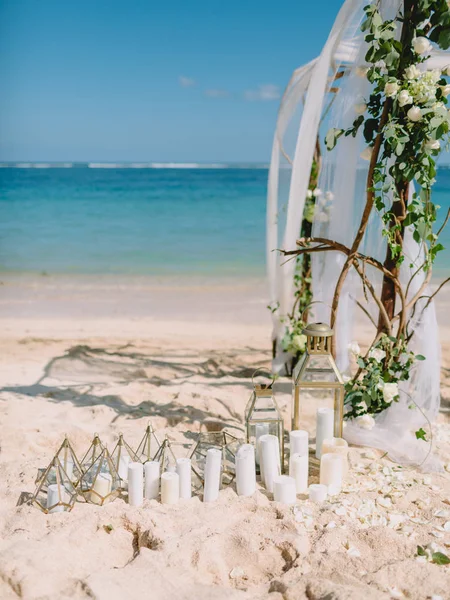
point(102, 486)
point(245, 470)
point(331, 473)
point(170, 487)
point(123, 466)
point(317, 493)
point(213, 474)
point(260, 429)
point(298, 441)
point(270, 459)
point(298, 469)
point(54, 496)
point(185, 475)
point(284, 489)
point(135, 478)
point(337, 446)
point(152, 472)
point(324, 427)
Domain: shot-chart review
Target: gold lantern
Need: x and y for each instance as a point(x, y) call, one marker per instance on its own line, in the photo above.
point(101, 482)
point(227, 443)
point(55, 491)
point(95, 450)
point(69, 461)
point(262, 415)
point(121, 456)
point(149, 446)
point(317, 382)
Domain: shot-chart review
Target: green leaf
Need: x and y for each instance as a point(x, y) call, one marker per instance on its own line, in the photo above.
point(421, 435)
point(440, 559)
point(421, 551)
point(420, 357)
point(360, 363)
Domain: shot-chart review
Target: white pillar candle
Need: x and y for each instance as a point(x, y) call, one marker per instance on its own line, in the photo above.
point(324, 427)
point(213, 475)
point(53, 497)
point(270, 457)
point(298, 469)
point(317, 493)
point(152, 472)
point(185, 475)
point(298, 442)
point(260, 429)
point(124, 461)
point(245, 470)
point(67, 465)
point(337, 446)
point(135, 483)
point(170, 487)
point(331, 473)
point(102, 486)
point(284, 489)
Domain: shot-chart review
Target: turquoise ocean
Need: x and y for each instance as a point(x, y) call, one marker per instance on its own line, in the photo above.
point(134, 220)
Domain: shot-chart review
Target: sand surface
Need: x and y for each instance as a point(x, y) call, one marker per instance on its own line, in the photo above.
point(105, 356)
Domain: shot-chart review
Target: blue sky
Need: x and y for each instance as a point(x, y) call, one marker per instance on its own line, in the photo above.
point(93, 80)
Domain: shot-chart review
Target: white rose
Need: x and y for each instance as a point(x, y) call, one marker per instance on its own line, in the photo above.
point(329, 195)
point(421, 45)
point(412, 72)
point(366, 153)
point(317, 192)
point(414, 113)
point(360, 108)
point(377, 354)
point(446, 70)
point(435, 75)
point(391, 89)
point(390, 390)
point(299, 342)
point(354, 348)
point(365, 422)
point(404, 98)
point(433, 145)
point(309, 194)
point(445, 89)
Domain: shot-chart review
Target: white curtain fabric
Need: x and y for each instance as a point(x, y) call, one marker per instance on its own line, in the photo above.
point(344, 174)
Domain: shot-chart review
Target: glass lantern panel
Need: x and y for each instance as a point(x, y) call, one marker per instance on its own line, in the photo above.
point(101, 482)
point(55, 492)
point(319, 367)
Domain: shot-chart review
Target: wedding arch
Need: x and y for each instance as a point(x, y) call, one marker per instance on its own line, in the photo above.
point(379, 92)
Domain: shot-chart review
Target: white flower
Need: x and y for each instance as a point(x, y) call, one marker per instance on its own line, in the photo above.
point(421, 45)
point(434, 75)
point(433, 145)
point(360, 108)
point(404, 98)
point(309, 194)
point(414, 113)
point(299, 342)
point(365, 422)
point(390, 390)
point(377, 354)
point(445, 89)
point(446, 70)
point(391, 89)
point(354, 348)
point(367, 153)
point(412, 72)
point(381, 65)
point(362, 405)
point(361, 71)
point(317, 192)
point(329, 195)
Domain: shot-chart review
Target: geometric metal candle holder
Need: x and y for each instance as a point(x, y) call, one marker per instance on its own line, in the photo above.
point(95, 450)
point(101, 482)
point(149, 445)
point(166, 456)
point(69, 461)
point(55, 491)
point(227, 443)
point(121, 456)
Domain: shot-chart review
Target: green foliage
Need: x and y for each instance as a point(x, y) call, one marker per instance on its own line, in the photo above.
point(421, 435)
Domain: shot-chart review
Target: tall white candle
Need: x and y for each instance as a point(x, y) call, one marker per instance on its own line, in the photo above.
point(270, 455)
point(135, 483)
point(260, 429)
point(124, 461)
point(317, 493)
point(67, 465)
point(152, 473)
point(324, 427)
point(53, 497)
point(284, 489)
point(185, 475)
point(331, 473)
point(337, 446)
point(298, 469)
point(245, 470)
point(298, 442)
point(170, 487)
point(102, 486)
point(213, 475)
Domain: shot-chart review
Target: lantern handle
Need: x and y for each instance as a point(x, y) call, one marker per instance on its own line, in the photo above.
point(263, 370)
point(317, 302)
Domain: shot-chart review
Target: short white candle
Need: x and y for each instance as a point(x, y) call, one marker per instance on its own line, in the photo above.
point(53, 497)
point(122, 470)
point(284, 489)
point(270, 459)
point(298, 441)
point(324, 427)
point(185, 474)
point(245, 470)
point(67, 465)
point(298, 469)
point(213, 474)
point(135, 483)
point(170, 487)
point(152, 473)
point(331, 473)
point(337, 446)
point(317, 493)
point(102, 486)
point(260, 429)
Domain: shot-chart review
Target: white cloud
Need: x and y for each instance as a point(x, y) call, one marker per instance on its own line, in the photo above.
point(267, 91)
point(216, 93)
point(186, 81)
